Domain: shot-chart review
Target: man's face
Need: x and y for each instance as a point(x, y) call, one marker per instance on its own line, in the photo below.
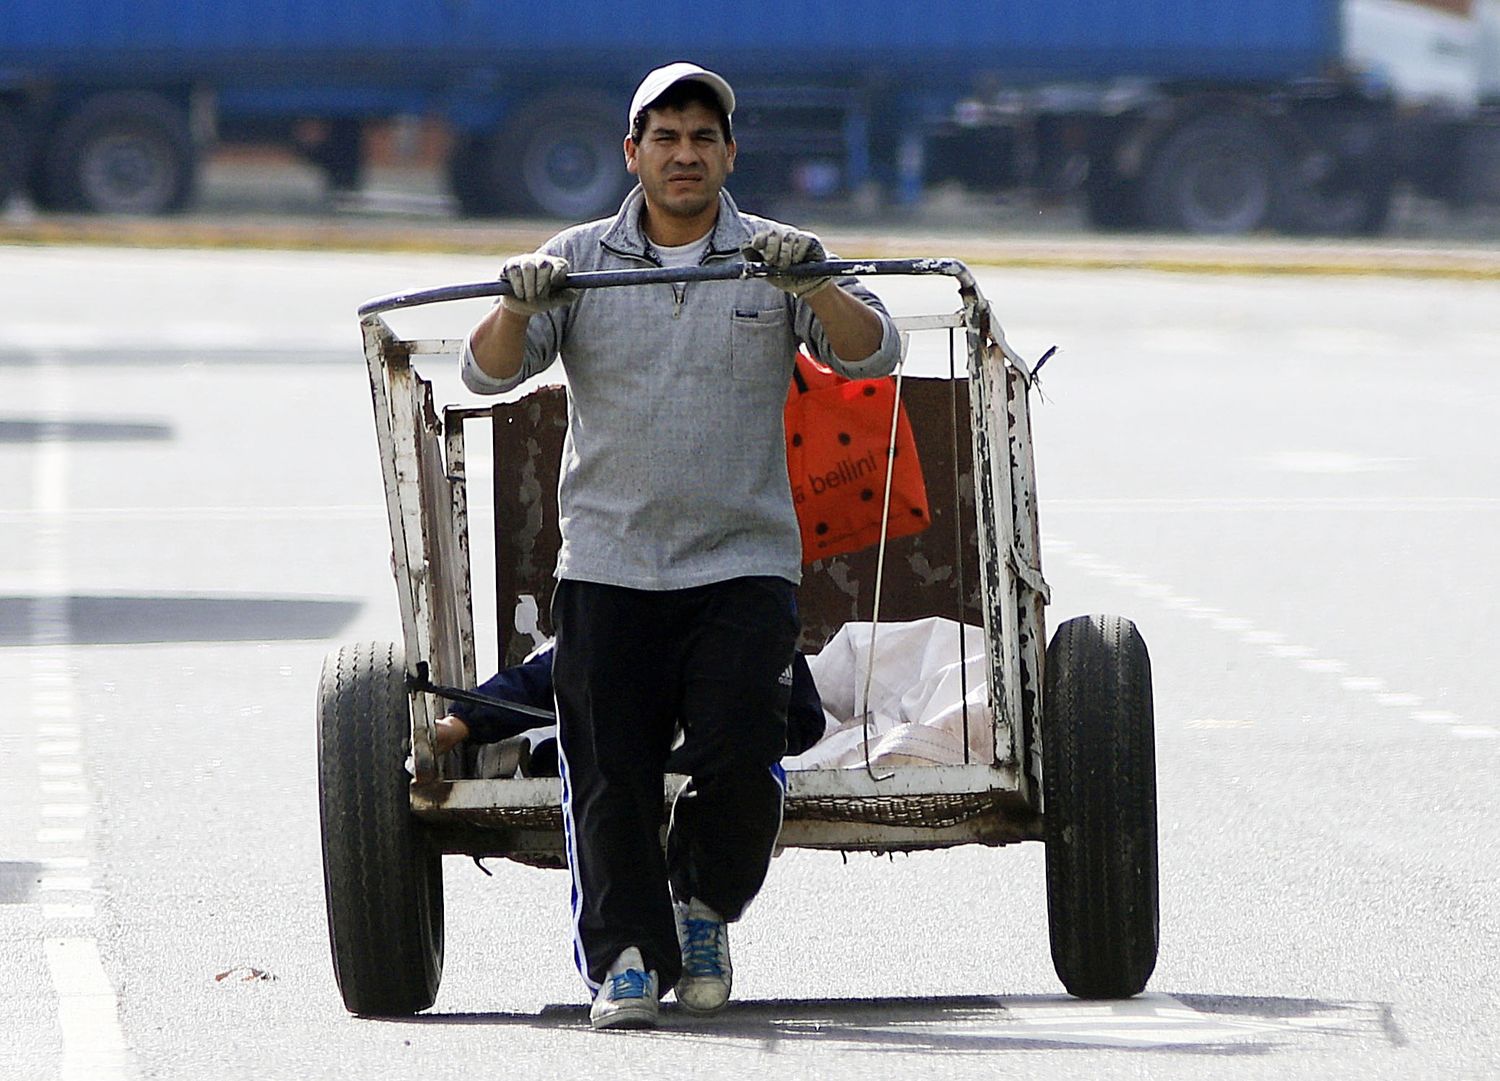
point(682, 160)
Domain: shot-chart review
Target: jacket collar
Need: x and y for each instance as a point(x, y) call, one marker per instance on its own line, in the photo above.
point(626, 237)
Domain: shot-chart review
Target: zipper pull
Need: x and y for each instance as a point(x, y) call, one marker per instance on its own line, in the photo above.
point(679, 293)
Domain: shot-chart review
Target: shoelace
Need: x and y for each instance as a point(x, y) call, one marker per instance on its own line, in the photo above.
point(700, 951)
point(628, 984)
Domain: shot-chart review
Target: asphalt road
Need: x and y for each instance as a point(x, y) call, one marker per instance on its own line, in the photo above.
point(1291, 483)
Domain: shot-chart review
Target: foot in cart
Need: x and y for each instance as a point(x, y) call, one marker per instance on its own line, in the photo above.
point(512, 711)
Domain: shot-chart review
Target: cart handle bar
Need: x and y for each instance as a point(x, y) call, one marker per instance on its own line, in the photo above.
point(602, 279)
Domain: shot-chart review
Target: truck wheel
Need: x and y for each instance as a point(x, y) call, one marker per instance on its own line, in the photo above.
point(383, 884)
point(561, 156)
point(1216, 174)
point(1099, 792)
point(122, 153)
point(1359, 208)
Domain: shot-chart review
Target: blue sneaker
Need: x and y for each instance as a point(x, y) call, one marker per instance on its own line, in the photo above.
point(706, 973)
point(628, 997)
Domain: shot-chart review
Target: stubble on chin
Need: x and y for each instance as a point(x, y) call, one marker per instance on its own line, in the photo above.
point(686, 205)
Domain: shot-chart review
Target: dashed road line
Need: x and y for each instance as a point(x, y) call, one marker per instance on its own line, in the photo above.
point(1273, 643)
point(1435, 716)
point(93, 1043)
point(1475, 731)
point(67, 913)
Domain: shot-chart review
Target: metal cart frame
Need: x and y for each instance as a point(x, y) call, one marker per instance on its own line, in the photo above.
point(898, 808)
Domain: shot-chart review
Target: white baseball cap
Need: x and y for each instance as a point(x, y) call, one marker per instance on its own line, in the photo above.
point(656, 83)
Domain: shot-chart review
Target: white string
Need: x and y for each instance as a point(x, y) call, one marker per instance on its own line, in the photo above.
point(885, 522)
point(958, 546)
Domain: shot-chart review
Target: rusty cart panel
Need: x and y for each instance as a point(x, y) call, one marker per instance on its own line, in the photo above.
point(977, 562)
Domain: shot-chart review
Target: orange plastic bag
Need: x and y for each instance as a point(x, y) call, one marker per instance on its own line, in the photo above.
point(837, 435)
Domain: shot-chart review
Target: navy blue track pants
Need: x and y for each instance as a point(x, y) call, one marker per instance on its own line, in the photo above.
point(631, 666)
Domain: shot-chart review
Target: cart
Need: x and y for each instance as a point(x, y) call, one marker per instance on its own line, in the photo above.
point(1073, 762)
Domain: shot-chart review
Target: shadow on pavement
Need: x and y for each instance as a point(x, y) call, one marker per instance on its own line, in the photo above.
point(18, 881)
point(1185, 1024)
point(119, 620)
point(18, 430)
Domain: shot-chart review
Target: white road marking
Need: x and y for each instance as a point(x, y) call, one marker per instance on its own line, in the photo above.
point(93, 1045)
point(1322, 664)
point(64, 913)
point(1272, 642)
point(1232, 623)
point(64, 863)
point(1151, 1020)
point(1143, 1021)
point(1330, 462)
point(63, 788)
point(1435, 716)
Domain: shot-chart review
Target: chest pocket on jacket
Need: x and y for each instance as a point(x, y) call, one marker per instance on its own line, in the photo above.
point(759, 344)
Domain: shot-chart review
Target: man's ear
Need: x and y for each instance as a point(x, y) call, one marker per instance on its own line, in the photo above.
point(730, 150)
point(630, 164)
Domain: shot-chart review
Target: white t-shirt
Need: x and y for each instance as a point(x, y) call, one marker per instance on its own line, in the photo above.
point(689, 254)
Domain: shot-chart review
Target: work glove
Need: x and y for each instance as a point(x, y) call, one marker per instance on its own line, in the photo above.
point(536, 282)
point(782, 247)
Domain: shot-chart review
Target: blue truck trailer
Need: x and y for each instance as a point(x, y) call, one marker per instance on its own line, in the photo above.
point(1216, 116)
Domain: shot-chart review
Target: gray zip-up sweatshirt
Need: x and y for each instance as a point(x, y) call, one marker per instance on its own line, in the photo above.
point(674, 465)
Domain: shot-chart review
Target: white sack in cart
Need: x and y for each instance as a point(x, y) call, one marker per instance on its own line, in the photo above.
point(916, 696)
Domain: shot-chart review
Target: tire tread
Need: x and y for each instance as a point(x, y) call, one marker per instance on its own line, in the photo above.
point(383, 885)
point(1099, 784)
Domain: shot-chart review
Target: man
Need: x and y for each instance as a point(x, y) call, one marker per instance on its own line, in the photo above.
point(680, 549)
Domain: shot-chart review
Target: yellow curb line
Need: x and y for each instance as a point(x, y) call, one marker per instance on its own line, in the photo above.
point(493, 241)
point(1393, 268)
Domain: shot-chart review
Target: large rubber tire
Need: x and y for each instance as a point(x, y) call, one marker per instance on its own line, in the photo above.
point(383, 884)
point(121, 153)
point(562, 156)
point(1217, 174)
point(1099, 792)
point(1354, 207)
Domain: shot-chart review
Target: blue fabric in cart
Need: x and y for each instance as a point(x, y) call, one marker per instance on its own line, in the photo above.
point(530, 684)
